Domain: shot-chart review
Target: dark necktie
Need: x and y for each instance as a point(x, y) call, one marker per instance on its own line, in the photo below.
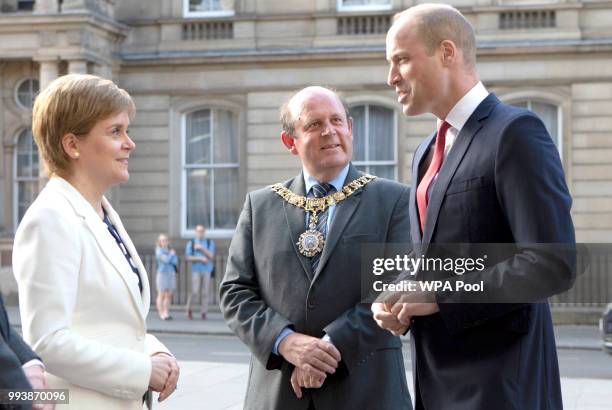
point(434, 167)
point(319, 191)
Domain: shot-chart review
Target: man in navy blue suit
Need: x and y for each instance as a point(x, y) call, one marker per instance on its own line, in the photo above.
point(490, 174)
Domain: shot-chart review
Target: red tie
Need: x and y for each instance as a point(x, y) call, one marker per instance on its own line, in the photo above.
point(434, 166)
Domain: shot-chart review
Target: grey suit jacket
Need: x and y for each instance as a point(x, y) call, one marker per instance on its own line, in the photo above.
point(14, 352)
point(269, 285)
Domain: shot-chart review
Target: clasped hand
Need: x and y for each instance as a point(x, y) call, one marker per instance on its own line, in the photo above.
point(313, 359)
point(164, 375)
point(36, 376)
point(300, 379)
point(393, 311)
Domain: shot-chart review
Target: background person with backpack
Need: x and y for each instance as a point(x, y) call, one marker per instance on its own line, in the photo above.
point(201, 253)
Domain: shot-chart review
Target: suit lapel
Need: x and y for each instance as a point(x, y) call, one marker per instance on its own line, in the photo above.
point(452, 161)
point(113, 254)
point(106, 243)
point(342, 215)
point(419, 155)
point(145, 297)
point(4, 322)
point(296, 222)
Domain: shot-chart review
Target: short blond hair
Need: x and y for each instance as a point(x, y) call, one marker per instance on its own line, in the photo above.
point(439, 22)
point(159, 239)
point(73, 103)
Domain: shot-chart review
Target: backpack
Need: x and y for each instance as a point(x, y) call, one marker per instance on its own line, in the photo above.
point(192, 242)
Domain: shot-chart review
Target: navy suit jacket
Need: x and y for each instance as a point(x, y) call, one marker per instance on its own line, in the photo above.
point(502, 182)
point(14, 352)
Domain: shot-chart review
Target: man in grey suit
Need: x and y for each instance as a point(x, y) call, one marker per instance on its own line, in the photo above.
point(292, 288)
point(20, 368)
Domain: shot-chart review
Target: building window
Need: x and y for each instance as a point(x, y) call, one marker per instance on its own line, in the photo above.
point(25, 175)
point(210, 170)
point(25, 5)
point(550, 114)
point(208, 8)
point(359, 5)
point(374, 140)
point(26, 92)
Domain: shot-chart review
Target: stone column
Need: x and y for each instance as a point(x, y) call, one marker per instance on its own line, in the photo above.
point(104, 7)
point(46, 6)
point(103, 70)
point(6, 185)
point(77, 67)
point(49, 71)
point(74, 5)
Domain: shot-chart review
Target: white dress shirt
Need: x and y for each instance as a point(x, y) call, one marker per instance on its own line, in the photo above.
point(461, 112)
point(457, 117)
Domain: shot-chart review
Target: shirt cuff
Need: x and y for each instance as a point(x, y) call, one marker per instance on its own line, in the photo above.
point(326, 338)
point(283, 334)
point(161, 352)
point(33, 362)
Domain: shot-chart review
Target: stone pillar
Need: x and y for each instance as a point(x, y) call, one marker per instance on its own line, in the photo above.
point(77, 67)
point(46, 6)
point(6, 186)
point(49, 71)
point(74, 5)
point(104, 7)
point(103, 70)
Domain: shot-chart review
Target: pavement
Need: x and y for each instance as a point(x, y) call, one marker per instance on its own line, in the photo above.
point(567, 336)
point(213, 384)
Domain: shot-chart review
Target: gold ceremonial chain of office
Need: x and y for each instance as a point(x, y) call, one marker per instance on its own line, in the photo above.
point(312, 241)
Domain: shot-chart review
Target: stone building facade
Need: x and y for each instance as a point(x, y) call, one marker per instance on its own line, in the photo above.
point(208, 77)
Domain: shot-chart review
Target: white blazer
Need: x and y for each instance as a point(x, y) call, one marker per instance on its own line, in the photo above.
point(81, 309)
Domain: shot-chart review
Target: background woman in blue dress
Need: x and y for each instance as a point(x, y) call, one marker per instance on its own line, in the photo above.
point(167, 263)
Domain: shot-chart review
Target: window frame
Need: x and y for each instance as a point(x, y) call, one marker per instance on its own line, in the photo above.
point(16, 93)
point(211, 232)
point(16, 179)
point(367, 163)
point(204, 14)
point(372, 7)
point(29, 3)
point(523, 3)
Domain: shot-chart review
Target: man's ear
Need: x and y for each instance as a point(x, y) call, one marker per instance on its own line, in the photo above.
point(70, 144)
point(449, 52)
point(289, 142)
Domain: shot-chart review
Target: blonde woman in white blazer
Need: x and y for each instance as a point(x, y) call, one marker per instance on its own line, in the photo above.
point(84, 294)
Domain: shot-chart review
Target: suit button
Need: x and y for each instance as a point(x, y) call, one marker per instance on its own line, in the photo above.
point(311, 305)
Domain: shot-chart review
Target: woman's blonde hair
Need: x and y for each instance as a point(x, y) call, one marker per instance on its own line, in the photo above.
point(159, 238)
point(74, 104)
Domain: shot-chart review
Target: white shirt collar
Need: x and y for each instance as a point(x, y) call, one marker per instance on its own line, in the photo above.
point(465, 107)
point(337, 182)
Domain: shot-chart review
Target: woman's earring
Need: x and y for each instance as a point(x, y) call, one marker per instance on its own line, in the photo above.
point(76, 154)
